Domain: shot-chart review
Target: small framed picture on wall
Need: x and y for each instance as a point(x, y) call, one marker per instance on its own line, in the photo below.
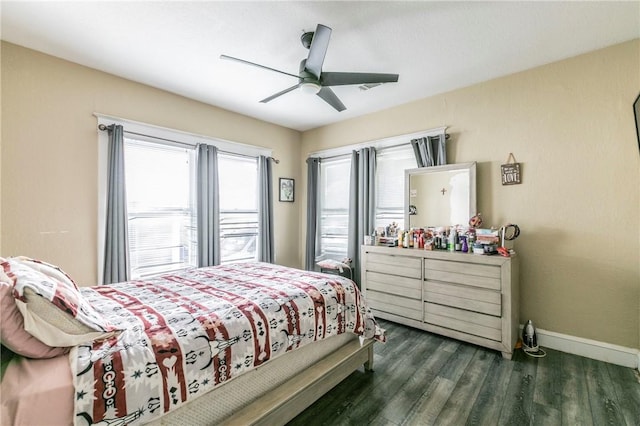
point(287, 189)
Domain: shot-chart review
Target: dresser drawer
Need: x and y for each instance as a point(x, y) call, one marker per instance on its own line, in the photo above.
point(474, 323)
point(393, 284)
point(394, 265)
point(485, 276)
point(469, 298)
point(408, 308)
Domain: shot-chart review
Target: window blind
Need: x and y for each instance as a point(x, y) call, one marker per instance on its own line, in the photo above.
point(160, 207)
point(390, 166)
point(334, 208)
point(238, 177)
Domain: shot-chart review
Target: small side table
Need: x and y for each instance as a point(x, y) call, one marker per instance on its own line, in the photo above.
point(336, 268)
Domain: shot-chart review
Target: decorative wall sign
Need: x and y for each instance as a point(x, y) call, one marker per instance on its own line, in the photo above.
point(511, 171)
point(287, 192)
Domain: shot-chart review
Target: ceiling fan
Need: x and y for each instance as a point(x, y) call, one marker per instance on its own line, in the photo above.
point(312, 79)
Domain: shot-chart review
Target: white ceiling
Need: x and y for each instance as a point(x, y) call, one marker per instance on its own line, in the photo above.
point(434, 46)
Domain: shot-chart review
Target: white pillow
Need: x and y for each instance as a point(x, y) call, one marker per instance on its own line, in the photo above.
point(54, 311)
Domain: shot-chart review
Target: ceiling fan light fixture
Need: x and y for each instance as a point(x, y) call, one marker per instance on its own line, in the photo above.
point(310, 88)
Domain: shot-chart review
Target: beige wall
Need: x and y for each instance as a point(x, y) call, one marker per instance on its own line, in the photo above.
point(571, 126)
point(50, 154)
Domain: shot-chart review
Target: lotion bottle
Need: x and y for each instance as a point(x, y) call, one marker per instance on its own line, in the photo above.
point(453, 237)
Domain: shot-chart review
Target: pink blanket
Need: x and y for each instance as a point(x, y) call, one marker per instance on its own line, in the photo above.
point(37, 392)
point(188, 332)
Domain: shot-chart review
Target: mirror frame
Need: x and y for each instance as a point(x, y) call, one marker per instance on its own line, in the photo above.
point(438, 169)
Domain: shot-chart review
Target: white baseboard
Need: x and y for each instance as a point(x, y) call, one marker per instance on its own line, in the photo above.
point(614, 354)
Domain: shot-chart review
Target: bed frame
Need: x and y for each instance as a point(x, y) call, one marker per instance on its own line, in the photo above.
point(299, 392)
point(277, 404)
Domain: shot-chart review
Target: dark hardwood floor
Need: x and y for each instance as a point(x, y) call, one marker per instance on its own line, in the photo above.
point(421, 378)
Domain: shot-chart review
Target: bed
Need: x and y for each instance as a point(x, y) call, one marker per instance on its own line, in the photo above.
point(244, 343)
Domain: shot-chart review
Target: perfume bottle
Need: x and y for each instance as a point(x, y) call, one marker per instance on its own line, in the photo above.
point(465, 245)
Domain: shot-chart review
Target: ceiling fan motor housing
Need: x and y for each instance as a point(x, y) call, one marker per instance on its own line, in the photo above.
point(306, 39)
point(306, 76)
point(308, 82)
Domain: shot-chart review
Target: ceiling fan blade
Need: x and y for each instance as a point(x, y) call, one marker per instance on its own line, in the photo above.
point(272, 97)
point(242, 61)
point(318, 50)
point(345, 78)
point(329, 97)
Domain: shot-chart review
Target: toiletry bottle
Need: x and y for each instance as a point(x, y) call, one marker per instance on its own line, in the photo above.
point(400, 238)
point(465, 246)
point(453, 237)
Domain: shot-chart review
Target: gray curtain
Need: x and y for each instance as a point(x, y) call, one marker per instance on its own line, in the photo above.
point(362, 204)
point(116, 247)
point(208, 206)
point(430, 150)
point(313, 173)
point(265, 211)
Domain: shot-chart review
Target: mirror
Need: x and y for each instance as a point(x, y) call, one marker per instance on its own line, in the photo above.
point(440, 195)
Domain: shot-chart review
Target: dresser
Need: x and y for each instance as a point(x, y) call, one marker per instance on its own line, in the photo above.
point(469, 297)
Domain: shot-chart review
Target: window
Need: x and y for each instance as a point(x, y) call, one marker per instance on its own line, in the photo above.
point(161, 186)
point(161, 200)
point(238, 181)
point(390, 166)
point(334, 196)
point(334, 208)
point(160, 182)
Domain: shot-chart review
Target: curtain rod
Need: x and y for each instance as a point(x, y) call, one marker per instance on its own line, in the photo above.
point(104, 127)
point(388, 142)
point(346, 154)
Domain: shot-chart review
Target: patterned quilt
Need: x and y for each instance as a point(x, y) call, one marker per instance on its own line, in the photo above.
point(185, 333)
